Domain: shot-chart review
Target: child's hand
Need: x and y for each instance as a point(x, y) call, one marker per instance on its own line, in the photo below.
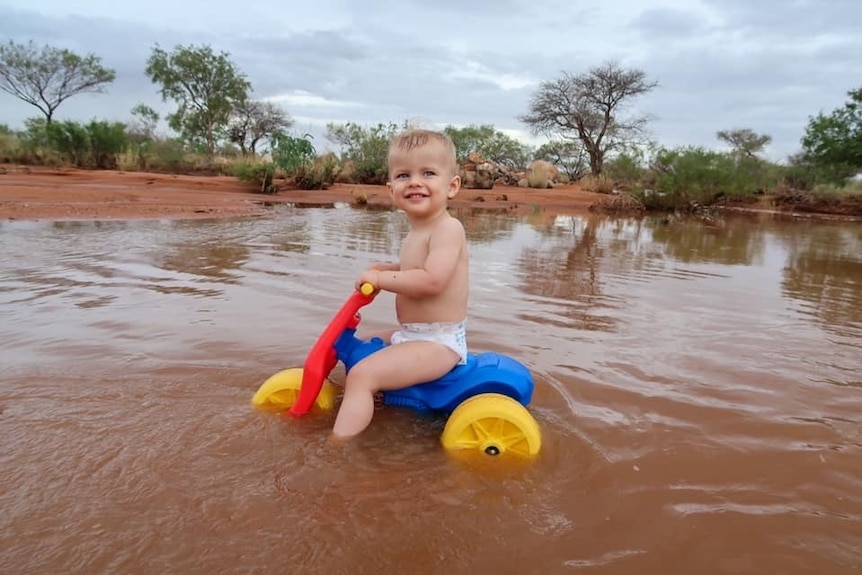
point(369, 276)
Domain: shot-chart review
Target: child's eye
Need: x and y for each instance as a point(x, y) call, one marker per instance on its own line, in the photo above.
point(401, 176)
point(429, 173)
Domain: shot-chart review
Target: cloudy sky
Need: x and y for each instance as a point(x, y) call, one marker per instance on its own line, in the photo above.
point(766, 65)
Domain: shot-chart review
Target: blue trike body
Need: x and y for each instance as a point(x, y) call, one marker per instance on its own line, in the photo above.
point(487, 372)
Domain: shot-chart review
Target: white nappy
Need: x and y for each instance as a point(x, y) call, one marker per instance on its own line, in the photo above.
point(452, 335)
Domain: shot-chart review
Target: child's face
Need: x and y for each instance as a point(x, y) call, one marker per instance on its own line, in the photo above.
point(423, 179)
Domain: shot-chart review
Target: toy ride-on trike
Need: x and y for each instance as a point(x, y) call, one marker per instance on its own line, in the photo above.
point(485, 399)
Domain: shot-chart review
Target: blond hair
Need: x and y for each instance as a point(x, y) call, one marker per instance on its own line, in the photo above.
point(416, 138)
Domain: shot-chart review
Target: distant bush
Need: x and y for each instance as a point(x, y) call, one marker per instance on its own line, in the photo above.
point(95, 145)
point(319, 175)
point(538, 179)
point(695, 176)
point(626, 170)
point(260, 174)
point(569, 157)
point(107, 140)
point(600, 184)
point(295, 156)
point(367, 148)
point(490, 143)
point(10, 147)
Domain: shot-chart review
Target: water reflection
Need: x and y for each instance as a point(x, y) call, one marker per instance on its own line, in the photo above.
point(728, 241)
point(824, 274)
point(703, 374)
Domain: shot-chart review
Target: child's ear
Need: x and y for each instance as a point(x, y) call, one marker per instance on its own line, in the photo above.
point(454, 187)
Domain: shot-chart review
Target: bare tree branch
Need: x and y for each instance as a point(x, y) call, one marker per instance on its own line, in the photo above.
point(586, 107)
point(47, 77)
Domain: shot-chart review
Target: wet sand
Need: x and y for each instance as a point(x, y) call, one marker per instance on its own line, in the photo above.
point(33, 193)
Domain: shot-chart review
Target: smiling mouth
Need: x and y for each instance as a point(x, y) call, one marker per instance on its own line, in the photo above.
point(415, 196)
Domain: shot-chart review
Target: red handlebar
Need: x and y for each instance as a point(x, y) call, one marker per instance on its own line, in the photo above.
point(321, 359)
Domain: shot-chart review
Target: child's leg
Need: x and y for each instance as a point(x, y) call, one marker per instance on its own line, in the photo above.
point(393, 367)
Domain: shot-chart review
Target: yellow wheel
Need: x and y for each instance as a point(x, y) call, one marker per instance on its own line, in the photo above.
point(493, 424)
point(279, 392)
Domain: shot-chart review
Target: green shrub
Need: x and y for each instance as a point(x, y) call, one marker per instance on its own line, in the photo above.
point(10, 148)
point(599, 184)
point(319, 175)
point(295, 156)
point(70, 139)
point(367, 148)
point(625, 170)
point(260, 174)
point(683, 177)
point(107, 140)
point(168, 155)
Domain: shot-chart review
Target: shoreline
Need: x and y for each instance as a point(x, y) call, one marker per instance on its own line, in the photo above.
point(72, 194)
point(38, 193)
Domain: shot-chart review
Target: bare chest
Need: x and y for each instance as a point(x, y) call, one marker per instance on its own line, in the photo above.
point(414, 250)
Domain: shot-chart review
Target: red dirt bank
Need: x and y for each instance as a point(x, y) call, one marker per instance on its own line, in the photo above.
point(29, 193)
point(37, 193)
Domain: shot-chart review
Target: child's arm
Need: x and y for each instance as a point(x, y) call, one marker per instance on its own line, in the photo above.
point(444, 252)
point(371, 274)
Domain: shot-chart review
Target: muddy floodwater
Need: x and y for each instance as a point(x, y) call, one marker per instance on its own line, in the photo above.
point(698, 388)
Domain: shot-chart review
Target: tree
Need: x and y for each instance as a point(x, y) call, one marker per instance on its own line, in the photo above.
point(585, 107)
point(833, 143)
point(744, 142)
point(468, 139)
point(147, 119)
point(206, 86)
point(488, 142)
point(367, 148)
point(46, 78)
point(567, 155)
point(254, 120)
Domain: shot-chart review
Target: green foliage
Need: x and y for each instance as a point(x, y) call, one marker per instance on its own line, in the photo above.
point(319, 175)
point(490, 143)
point(833, 144)
point(206, 86)
point(146, 121)
point(296, 157)
point(469, 139)
point(253, 121)
point(107, 141)
point(94, 145)
point(46, 78)
point(261, 174)
point(567, 155)
point(626, 169)
point(97, 144)
point(71, 140)
point(366, 147)
point(34, 134)
point(291, 153)
point(10, 146)
point(744, 142)
point(688, 176)
point(165, 155)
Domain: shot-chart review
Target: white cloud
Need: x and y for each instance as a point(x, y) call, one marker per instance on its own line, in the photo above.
point(471, 70)
point(303, 99)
